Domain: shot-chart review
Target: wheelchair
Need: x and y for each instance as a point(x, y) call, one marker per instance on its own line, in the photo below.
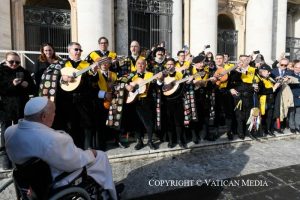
point(33, 181)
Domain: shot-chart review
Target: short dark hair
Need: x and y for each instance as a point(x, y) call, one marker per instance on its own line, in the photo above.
point(179, 52)
point(170, 59)
point(73, 43)
point(102, 38)
point(219, 54)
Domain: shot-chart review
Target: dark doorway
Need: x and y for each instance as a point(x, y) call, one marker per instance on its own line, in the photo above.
point(227, 36)
point(150, 22)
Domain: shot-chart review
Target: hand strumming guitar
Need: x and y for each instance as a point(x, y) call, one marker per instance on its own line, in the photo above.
point(129, 88)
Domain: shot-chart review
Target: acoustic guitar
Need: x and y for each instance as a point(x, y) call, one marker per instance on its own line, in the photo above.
point(171, 85)
point(140, 85)
point(222, 75)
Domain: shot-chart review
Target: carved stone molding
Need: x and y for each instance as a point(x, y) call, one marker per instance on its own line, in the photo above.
point(235, 8)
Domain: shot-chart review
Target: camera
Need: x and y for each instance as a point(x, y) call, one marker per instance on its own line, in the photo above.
point(206, 46)
point(256, 52)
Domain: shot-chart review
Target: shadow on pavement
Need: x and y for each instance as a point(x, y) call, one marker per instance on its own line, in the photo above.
point(194, 169)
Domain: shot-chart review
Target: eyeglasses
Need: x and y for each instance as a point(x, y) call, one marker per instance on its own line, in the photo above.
point(103, 42)
point(11, 62)
point(76, 49)
point(283, 65)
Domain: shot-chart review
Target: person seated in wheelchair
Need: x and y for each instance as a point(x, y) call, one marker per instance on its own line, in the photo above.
point(32, 137)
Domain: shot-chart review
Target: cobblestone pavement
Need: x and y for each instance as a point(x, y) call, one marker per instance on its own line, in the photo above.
point(207, 161)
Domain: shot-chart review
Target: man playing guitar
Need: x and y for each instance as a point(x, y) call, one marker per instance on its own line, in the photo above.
point(143, 105)
point(74, 111)
point(174, 108)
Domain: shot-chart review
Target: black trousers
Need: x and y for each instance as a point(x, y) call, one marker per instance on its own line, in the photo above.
point(175, 117)
point(144, 109)
point(224, 108)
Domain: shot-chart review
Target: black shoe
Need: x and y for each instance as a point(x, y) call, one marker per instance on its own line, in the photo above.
point(139, 145)
point(196, 141)
point(152, 145)
point(170, 145)
point(229, 136)
point(253, 137)
point(182, 145)
point(293, 130)
point(241, 136)
point(271, 133)
point(279, 131)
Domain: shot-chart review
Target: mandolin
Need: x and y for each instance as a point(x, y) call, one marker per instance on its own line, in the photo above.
point(76, 74)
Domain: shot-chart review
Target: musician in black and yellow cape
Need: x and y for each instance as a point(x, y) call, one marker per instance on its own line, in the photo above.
point(143, 105)
point(102, 52)
point(174, 106)
point(74, 109)
point(267, 99)
point(224, 100)
point(202, 90)
point(241, 88)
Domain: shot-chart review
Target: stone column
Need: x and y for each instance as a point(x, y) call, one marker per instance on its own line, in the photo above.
point(186, 22)
point(122, 45)
point(177, 27)
point(74, 20)
point(297, 22)
point(5, 24)
point(18, 32)
point(279, 27)
point(95, 19)
point(203, 25)
point(259, 27)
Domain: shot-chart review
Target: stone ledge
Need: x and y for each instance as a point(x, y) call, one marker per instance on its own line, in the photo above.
point(117, 155)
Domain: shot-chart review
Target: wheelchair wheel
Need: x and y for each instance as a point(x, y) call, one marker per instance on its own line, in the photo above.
point(71, 193)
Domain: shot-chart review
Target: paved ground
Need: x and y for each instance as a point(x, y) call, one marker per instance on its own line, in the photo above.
point(277, 184)
point(143, 171)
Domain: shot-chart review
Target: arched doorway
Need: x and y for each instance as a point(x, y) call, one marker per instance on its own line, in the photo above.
point(46, 21)
point(227, 36)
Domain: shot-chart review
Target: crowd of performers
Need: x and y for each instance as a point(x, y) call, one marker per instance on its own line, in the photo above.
point(105, 96)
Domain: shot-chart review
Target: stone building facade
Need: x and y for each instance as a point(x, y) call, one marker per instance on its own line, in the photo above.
point(234, 26)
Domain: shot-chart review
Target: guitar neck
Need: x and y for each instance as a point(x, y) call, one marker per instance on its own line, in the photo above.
point(230, 69)
point(90, 67)
point(149, 80)
point(83, 70)
point(187, 78)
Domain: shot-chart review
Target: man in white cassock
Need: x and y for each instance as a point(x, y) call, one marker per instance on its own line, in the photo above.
point(33, 137)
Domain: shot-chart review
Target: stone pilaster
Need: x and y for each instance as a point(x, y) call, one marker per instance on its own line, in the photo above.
point(203, 25)
point(18, 32)
point(95, 19)
point(186, 22)
point(279, 27)
point(177, 27)
point(5, 24)
point(74, 21)
point(259, 27)
point(122, 45)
